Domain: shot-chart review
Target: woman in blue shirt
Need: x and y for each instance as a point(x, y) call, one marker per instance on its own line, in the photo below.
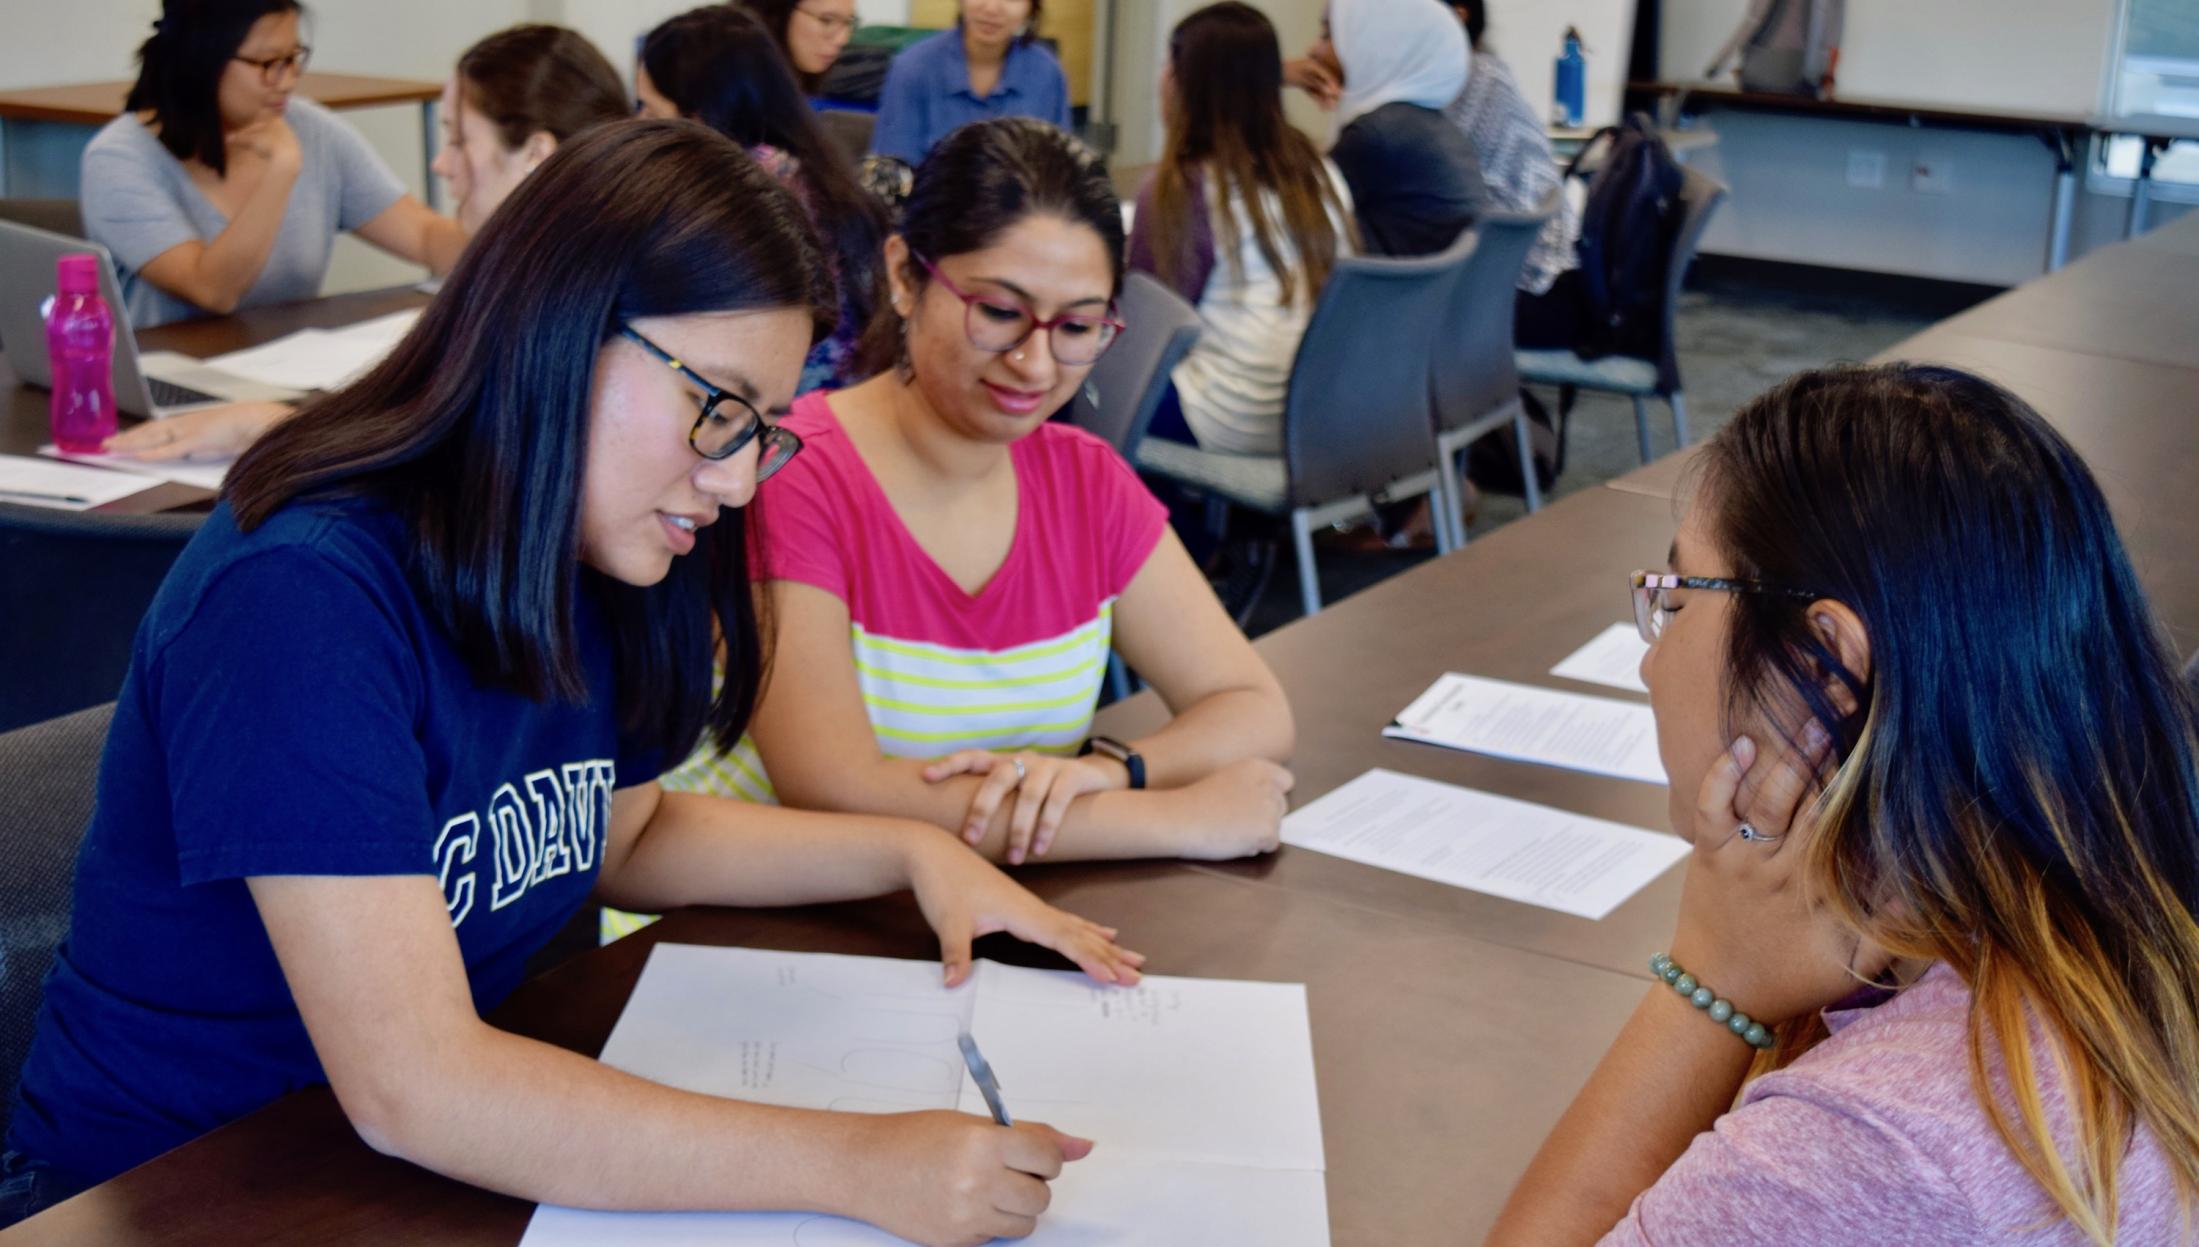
point(989, 65)
point(400, 708)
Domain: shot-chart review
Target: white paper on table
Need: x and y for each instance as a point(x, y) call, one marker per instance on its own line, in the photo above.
point(1095, 1204)
point(319, 359)
point(1167, 1076)
point(1528, 724)
point(205, 474)
point(25, 481)
point(1203, 1070)
point(1613, 658)
point(1486, 843)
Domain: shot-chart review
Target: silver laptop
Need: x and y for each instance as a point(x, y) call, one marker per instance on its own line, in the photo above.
point(149, 385)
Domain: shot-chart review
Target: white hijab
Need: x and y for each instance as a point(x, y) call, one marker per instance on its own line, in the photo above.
point(1410, 51)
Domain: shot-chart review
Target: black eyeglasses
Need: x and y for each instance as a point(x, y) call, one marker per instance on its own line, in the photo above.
point(274, 68)
point(720, 433)
point(1652, 611)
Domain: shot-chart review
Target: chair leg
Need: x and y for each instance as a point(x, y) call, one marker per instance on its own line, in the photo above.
point(1447, 502)
point(1526, 468)
point(1309, 577)
point(1641, 426)
point(1679, 416)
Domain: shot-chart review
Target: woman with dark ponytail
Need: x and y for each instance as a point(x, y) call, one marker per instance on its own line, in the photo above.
point(950, 568)
point(217, 189)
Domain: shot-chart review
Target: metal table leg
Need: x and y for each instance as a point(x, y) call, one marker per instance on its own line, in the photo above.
point(431, 187)
point(2062, 144)
point(2141, 192)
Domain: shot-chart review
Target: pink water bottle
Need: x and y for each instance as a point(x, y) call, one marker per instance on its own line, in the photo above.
point(80, 342)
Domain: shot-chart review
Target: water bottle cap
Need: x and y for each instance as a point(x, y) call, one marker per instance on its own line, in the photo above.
point(77, 273)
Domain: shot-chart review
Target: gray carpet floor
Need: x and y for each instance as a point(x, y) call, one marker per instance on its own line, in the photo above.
point(1739, 333)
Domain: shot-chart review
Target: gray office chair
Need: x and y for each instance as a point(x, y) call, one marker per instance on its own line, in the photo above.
point(1642, 379)
point(1356, 421)
point(58, 216)
point(73, 586)
point(48, 773)
point(1118, 400)
point(1475, 381)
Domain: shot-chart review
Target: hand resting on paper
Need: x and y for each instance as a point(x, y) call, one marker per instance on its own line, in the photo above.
point(220, 432)
point(964, 896)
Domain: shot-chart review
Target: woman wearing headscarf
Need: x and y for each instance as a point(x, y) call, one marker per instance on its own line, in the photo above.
point(1412, 173)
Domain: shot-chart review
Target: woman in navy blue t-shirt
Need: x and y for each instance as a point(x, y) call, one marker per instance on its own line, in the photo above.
point(400, 708)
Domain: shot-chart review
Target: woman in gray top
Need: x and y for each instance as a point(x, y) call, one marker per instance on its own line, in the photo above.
point(216, 190)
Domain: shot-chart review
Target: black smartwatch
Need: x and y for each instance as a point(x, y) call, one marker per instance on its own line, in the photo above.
point(1109, 747)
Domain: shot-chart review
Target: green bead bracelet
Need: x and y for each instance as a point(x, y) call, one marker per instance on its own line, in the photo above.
point(1750, 1031)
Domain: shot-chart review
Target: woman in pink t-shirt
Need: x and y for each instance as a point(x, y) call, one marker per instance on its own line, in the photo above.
point(1937, 764)
point(947, 571)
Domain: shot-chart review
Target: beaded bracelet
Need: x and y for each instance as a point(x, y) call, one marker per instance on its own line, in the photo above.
point(1751, 1032)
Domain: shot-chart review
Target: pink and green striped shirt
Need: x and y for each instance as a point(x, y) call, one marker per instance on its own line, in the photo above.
point(1016, 665)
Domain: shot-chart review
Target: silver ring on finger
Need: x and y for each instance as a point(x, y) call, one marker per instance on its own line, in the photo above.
point(1022, 771)
point(1749, 831)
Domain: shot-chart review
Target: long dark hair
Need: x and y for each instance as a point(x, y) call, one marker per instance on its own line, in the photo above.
point(1228, 128)
point(179, 72)
point(775, 15)
point(475, 429)
point(720, 66)
point(2017, 787)
point(540, 79)
point(986, 176)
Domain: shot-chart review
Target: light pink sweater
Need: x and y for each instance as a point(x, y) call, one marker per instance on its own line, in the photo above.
point(1876, 1137)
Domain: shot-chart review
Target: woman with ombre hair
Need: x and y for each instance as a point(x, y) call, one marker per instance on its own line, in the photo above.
point(1937, 763)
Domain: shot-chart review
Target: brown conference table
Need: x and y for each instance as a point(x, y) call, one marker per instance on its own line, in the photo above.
point(1450, 1028)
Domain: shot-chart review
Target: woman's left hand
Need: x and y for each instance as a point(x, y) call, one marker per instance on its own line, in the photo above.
point(1043, 785)
point(1747, 930)
point(964, 896)
point(218, 432)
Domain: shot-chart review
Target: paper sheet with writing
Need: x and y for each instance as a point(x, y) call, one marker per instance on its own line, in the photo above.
point(1613, 658)
point(25, 481)
point(205, 474)
point(319, 359)
point(1199, 1092)
point(1468, 839)
point(1530, 724)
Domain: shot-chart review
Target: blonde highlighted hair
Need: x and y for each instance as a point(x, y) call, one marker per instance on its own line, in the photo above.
point(2017, 787)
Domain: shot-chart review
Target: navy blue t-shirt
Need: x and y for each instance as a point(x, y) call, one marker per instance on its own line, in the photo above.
point(293, 709)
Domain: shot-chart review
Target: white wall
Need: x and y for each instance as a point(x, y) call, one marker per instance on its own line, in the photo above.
point(1792, 199)
point(2045, 56)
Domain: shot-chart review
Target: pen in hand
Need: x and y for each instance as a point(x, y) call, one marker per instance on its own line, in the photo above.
point(981, 1072)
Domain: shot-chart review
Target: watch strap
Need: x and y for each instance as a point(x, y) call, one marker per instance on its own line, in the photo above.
point(1108, 746)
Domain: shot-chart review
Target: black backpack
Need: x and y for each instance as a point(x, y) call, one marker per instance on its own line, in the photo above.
point(1627, 228)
